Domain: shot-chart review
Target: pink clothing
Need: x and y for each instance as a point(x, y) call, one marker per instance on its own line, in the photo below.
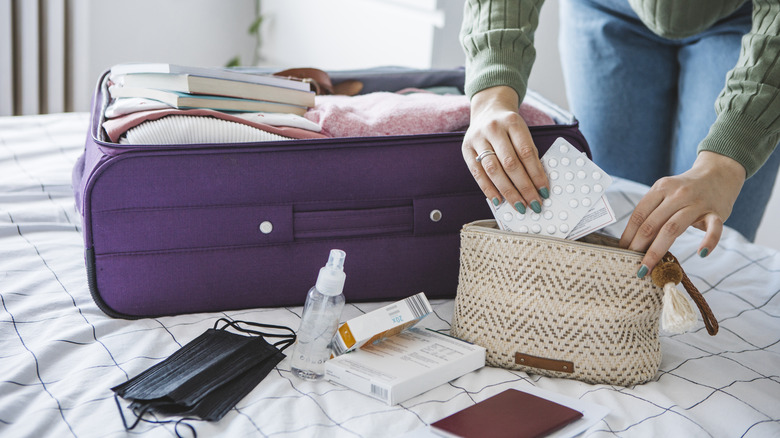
point(116, 127)
point(374, 114)
point(384, 113)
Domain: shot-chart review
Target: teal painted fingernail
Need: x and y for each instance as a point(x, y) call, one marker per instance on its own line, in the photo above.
point(703, 253)
point(496, 201)
point(642, 271)
point(544, 193)
point(536, 206)
point(520, 207)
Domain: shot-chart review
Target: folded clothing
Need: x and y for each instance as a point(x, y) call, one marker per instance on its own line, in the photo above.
point(284, 125)
point(176, 129)
point(384, 113)
point(410, 112)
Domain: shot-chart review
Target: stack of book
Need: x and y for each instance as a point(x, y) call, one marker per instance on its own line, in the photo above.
point(213, 88)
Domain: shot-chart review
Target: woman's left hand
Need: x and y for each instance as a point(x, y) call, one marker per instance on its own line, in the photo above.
point(702, 196)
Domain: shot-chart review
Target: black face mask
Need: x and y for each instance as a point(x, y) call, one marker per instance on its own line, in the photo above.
point(208, 376)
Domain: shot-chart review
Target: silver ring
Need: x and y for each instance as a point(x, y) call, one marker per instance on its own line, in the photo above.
point(484, 154)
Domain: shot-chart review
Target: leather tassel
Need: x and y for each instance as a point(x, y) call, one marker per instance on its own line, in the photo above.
point(678, 315)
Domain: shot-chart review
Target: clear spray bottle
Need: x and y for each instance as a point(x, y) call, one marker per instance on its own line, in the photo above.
point(320, 319)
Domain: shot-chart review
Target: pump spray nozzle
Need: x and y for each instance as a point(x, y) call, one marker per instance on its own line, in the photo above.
point(331, 279)
point(336, 259)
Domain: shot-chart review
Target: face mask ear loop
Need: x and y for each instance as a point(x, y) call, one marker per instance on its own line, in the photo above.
point(140, 414)
point(182, 422)
point(236, 325)
point(288, 338)
point(287, 342)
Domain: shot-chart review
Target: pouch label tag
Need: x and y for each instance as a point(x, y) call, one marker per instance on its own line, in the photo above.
point(544, 363)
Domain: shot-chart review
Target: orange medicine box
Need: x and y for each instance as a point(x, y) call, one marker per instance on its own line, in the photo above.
point(380, 323)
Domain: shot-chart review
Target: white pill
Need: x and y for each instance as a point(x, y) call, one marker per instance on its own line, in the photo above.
point(554, 175)
point(563, 148)
point(586, 202)
point(598, 188)
point(564, 228)
point(565, 161)
point(551, 229)
point(569, 176)
point(563, 215)
point(523, 229)
point(535, 216)
point(585, 189)
point(581, 174)
point(552, 162)
point(507, 216)
point(536, 228)
point(570, 188)
point(547, 202)
point(548, 215)
point(596, 175)
point(573, 203)
point(580, 162)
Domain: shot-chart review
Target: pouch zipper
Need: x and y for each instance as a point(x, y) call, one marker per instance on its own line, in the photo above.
point(479, 227)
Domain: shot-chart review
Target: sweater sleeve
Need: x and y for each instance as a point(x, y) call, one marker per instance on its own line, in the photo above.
point(748, 125)
point(497, 37)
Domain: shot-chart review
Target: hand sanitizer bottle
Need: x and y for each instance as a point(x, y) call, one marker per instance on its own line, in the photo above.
point(320, 319)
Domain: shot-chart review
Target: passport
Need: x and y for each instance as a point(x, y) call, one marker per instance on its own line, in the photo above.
point(510, 414)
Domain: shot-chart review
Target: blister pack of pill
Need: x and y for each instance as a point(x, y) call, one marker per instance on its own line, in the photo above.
point(576, 206)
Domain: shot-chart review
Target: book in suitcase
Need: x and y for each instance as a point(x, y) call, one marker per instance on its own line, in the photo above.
point(172, 229)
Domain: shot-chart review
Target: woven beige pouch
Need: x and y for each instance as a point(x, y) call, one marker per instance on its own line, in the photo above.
point(557, 307)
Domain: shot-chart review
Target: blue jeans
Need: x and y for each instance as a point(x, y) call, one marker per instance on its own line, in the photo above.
point(645, 102)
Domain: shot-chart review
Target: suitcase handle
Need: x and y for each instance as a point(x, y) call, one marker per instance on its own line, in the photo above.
point(421, 216)
point(327, 224)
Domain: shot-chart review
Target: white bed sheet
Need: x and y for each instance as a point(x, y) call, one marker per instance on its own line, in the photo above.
point(59, 355)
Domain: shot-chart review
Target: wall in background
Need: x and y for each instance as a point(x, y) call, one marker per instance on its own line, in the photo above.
point(189, 32)
point(350, 34)
point(546, 75)
point(93, 35)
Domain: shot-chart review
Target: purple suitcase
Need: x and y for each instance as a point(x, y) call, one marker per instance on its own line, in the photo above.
point(177, 229)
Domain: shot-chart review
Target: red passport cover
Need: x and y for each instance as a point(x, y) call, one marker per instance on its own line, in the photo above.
point(512, 413)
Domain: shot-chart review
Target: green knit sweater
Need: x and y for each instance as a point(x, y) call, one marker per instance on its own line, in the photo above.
point(497, 37)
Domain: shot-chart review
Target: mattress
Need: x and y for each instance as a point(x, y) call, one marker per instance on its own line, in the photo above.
point(60, 355)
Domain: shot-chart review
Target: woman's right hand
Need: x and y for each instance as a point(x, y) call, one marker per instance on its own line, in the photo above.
point(514, 172)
